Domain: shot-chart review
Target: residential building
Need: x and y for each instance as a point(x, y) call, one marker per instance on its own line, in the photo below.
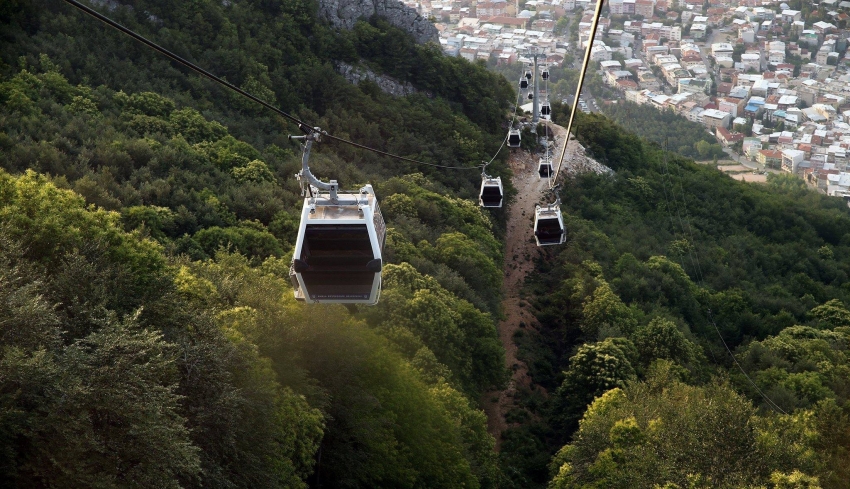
point(751, 147)
point(716, 118)
point(726, 137)
point(645, 8)
point(770, 158)
point(693, 85)
point(791, 15)
point(791, 159)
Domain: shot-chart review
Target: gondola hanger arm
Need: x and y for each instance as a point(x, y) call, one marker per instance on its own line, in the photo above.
point(332, 187)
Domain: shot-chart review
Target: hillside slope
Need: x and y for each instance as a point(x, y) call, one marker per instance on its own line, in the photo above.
point(148, 217)
point(665, 258)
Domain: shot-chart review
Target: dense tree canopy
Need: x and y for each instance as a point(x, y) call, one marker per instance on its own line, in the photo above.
point(148, 333)
point(149, 336)
point(665, 262)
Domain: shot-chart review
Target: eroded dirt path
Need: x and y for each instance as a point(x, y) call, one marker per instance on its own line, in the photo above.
point(520, 251)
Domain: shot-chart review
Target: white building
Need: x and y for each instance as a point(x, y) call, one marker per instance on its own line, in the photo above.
point(776, 57)
point(716, 118)
point(724, 61)
point(791, 15)
point(751, 61)
point(721, 49)
point(698, 31)
point(600, 53)
point(693, 85)
point(838, 185)
point(610, 65)
point(791, 159)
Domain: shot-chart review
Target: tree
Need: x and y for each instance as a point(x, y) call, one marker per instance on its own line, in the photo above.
point(594, 369)
point(603, 310)
point(800, 366)
point(661, 339)
point(562, 25)
point(662, 431)
point(106, 412)
point(703, 148)
point(831, 314)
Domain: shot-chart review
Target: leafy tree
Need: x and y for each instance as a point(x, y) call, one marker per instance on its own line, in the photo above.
point(665, 432)
point(422, 318)
point(663, 127)
point(254, 171)
point(604, 310)
point(831, 314)
point(109, 399)
point(661, 339)
point(594, 369)
point(801, 365)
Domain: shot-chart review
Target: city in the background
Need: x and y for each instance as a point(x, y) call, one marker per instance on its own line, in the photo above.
point(770, 82)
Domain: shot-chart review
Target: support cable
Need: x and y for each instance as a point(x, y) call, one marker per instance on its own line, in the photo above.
point(694, 258)
point(584, 65)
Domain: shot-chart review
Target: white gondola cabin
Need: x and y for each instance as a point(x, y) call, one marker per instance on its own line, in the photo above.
point(528, 74)
point(544, 168)
point(545, 74)
point(530, 95)
point(549, 225)
point(546, 110)
point(523, 83)
point(338, 253)
point(514, 138)
point(492, 194)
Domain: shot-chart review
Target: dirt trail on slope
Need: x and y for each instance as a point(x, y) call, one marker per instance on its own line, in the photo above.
point(520, 250)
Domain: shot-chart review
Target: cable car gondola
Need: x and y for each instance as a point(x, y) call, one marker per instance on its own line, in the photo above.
point(544, 167)
point(528, 74)
point(514, 138)
point(546, 110)
point(492, 194)
point(549, 224)
point(545, 74)
point(523, 83)
point(339, 250)
point(530, 96)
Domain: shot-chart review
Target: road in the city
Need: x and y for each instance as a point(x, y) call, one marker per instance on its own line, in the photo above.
point(741, 160)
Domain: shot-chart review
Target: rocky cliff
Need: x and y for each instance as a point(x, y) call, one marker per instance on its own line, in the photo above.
point(356, 74)
point(345, 13)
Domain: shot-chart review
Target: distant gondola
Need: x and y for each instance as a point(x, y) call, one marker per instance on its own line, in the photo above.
point(492, 193)
point(544, 168)
point(514, 138)
point(549, 225)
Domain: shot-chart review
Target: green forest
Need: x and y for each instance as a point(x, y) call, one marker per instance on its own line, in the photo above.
point(693, 332)
point(665, 127)
point(669, 263)
point(149, 333)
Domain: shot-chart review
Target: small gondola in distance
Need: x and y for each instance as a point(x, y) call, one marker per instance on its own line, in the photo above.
point(549, 225)
point(544, 168)
point(492, 193)
point(514, 138)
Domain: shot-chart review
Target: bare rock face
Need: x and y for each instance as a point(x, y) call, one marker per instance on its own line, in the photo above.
point(345, 13)
point(356, 74)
